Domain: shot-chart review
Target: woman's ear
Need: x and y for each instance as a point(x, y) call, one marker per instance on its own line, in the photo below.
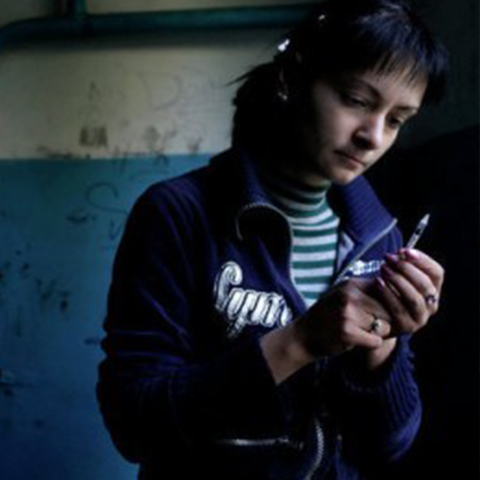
point(282, 88)
point(290, 77)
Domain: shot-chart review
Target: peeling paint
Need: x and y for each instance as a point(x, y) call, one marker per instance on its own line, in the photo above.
point(49, 152)
point(9, 381)
point(94, 136)
point(151, 137)
point(45, 290)
point(39, 424)
point(25, 270)
point(64, 301)
point(19, 330)
point(80, 216)
point(194, 144)
point(5, 269)
point(93, 341)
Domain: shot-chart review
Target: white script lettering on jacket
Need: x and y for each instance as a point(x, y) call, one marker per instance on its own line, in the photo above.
point(241, 307)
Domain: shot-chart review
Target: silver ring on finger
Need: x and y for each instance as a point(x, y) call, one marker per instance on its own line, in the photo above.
point(431, 300)
point(375, 325)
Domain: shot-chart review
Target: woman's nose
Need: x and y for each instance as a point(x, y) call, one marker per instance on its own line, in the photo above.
point(370, 135)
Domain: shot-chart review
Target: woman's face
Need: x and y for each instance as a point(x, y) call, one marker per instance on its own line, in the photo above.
point(352, 122)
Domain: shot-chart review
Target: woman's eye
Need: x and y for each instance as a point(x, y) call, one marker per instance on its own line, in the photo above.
point(354, 101)
point(395, 122)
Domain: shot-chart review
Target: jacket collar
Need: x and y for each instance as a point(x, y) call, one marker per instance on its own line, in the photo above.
point(362, 214)
point(248, 205)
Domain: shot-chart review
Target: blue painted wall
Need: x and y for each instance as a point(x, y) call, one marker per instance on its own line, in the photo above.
point(60, 223)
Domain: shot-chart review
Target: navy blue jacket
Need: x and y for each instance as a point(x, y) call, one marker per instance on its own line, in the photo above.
point(202, 272)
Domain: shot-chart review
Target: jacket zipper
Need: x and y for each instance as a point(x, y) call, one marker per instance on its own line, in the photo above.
point(250, 206)
point(341, 275)
point(319, 435)
point(343, 272)
point(319, 451)
point(284, 440)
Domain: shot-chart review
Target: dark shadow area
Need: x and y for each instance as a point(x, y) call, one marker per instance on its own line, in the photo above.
point(442, 177)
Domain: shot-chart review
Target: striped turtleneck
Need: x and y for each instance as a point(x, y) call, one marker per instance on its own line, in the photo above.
point(314, 227)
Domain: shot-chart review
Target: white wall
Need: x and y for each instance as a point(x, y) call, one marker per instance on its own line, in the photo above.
point(104, 6)
point(116, 101)
point(117, 98)
point(170, 93)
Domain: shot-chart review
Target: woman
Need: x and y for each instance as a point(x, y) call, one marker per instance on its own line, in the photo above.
point(261, 307)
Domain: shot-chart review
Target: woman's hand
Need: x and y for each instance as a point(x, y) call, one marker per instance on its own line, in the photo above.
point(409, 288)
point(346, 317)
point(360, 313)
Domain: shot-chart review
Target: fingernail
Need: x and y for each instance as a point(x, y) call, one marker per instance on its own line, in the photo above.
point(387, 271)
point(381, 282)
point(410, 254)
point(392, 258)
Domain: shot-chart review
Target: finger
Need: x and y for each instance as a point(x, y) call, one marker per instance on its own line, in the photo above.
point(412, 303)
point(370, 305)
point(425, 263)
point(378, 326)
point(401, 320)
point(418, 278)
point(358, 337)
point(371, 315)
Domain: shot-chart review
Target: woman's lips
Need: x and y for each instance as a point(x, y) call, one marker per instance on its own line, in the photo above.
point(352, 158)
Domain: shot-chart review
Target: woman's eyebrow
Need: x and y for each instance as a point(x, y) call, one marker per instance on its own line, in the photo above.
point(411, 110)
point(357, 82)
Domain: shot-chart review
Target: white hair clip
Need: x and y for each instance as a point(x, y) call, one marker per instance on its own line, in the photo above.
point(321, 18)
point(284, 45)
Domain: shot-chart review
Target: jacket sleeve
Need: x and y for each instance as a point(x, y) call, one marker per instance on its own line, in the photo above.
point(379, 413)
point(155, 391)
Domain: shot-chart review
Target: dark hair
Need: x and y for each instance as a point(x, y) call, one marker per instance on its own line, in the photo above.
point(339, 36)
